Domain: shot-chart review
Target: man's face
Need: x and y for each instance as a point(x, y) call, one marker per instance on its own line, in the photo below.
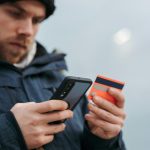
point(19, 23)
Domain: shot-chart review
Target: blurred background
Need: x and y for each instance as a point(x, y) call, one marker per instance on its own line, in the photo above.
point(109, 38)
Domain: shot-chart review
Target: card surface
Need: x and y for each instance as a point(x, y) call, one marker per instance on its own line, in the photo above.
point(101, 85)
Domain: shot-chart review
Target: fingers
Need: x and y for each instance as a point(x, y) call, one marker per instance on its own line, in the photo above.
point(47, 139)
point(46, 134)
point(105, 115)
point(106, 105)
point(106, 119)
point(50, 105)
point(120, 100)
point(51, 129)
point(42, 140)
point(57, 115)
point(105, 126)
point(33, 120)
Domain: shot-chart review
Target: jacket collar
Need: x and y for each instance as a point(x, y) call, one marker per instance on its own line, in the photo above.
point(42, 62)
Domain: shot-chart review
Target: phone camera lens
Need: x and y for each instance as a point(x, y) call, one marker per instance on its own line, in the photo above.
point(64, 92)
point(62, 95)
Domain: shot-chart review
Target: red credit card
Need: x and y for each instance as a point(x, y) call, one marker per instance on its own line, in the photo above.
point(101, 85)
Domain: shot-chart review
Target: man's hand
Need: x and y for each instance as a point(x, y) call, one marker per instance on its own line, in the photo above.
point(106, 119)
point(34, 118)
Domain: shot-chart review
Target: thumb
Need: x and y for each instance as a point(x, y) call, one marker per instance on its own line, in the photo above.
point(118, 95)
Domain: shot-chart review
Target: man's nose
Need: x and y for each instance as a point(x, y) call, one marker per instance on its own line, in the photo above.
point(26, 28)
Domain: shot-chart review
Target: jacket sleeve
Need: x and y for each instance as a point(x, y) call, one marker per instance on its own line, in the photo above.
point(90, 141)
point(10, 134)
point(93, 142)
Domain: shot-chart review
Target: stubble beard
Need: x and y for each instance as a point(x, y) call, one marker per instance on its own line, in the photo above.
point(11, 55)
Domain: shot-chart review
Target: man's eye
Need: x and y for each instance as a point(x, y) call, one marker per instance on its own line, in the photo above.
point(36, 21)
point(16, 14)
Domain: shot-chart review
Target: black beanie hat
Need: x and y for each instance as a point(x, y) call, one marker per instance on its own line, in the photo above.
point(49, 5)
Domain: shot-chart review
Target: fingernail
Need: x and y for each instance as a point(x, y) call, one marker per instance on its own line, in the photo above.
point(87, 116)
point(67, 105)
point(111, 90)
point(91, 106)
point(93, 94)
point(63, 125)
point(71, 114)
point(96, 98)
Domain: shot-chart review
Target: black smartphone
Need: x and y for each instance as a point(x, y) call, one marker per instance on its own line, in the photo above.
point(72, 89)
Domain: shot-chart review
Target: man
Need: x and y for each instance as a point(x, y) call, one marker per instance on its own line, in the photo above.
point(28, 78)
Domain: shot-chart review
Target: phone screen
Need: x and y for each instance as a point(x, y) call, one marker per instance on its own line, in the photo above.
point(76, 92)
point(71, 90)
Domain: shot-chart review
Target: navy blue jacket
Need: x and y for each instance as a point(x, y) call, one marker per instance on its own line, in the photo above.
point(37, 83)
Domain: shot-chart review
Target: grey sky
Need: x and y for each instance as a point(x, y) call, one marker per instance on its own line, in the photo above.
point(89, 32)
